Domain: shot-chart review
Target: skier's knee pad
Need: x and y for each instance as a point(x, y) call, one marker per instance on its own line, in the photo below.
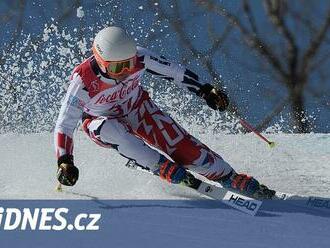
point(93, 128)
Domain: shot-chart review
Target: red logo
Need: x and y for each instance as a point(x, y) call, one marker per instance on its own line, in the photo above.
point(95, 86)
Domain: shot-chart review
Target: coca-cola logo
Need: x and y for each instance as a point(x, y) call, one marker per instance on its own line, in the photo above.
point(117, 95)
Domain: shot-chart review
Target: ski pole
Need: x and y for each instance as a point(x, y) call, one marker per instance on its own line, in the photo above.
point(59, 187)
point(252, 129)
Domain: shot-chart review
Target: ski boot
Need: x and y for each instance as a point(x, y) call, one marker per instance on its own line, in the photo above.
point(170, 171)
point(246, 185)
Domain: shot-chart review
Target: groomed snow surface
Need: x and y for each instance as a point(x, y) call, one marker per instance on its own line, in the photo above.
point(156, 214)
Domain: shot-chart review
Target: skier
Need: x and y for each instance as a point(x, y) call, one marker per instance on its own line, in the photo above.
point(116, 112)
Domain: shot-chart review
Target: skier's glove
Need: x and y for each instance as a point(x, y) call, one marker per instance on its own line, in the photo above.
point(171, 172)
point(67, 173)
point(215, 98)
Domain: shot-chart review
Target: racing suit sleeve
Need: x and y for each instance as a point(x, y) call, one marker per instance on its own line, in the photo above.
point(70, 113)
point(161, 67)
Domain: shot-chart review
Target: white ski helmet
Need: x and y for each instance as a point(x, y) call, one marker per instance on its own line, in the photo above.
point(113, 44)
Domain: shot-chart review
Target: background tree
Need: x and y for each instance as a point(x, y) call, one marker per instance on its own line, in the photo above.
point(290, 38)
point(271, 56)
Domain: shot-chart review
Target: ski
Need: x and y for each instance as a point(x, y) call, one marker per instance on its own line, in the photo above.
point(310, 202)
point(235, 200)
point(243, 203)
point(251, 206)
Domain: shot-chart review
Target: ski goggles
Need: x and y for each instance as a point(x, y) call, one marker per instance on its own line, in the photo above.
point(116, 67)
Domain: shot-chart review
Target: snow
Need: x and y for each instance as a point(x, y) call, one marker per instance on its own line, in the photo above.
point(152, 211)
point(80, 12)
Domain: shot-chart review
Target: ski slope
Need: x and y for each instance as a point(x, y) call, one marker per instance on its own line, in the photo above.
point(154, 212)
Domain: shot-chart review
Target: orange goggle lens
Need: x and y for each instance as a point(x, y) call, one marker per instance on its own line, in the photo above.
point(121, 66)
point(117, 67)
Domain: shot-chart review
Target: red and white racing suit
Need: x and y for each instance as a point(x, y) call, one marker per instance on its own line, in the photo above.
point(121, 115)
